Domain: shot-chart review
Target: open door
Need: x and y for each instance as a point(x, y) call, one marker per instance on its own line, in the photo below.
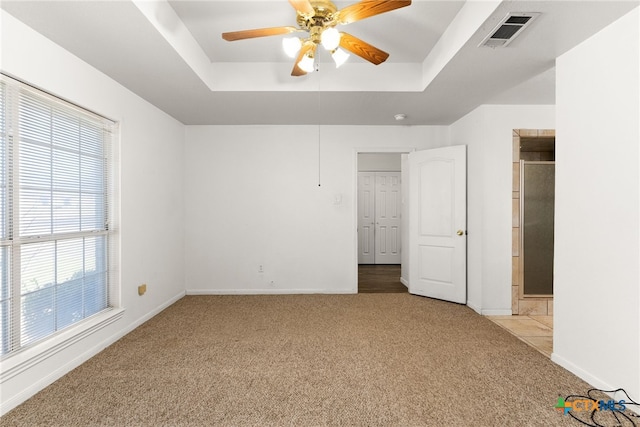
point(437, 223)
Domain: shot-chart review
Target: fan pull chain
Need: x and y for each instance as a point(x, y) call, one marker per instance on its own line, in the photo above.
point(319, 151)
point(319, 154)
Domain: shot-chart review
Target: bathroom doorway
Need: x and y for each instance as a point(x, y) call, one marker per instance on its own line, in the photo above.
point(533, 227)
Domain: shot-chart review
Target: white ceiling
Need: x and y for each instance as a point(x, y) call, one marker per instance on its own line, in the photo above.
point(423, 20)
point(171, 53)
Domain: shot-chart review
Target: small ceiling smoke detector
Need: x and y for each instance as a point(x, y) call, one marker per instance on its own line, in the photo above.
point(400, 116)
point(508, 29)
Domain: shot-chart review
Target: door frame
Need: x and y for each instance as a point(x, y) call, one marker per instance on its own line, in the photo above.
point(354, 187)
point(520, 305)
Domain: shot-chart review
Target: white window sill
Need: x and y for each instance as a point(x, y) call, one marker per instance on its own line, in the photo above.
point(17, 363)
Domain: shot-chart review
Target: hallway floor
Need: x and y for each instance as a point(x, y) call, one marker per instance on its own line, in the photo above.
point(537, 331)
point(380, 278)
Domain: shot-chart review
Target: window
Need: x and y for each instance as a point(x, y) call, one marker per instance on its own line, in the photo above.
point(54, 215)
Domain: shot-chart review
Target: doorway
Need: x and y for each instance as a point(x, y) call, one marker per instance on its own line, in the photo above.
point(379, 217)
point(532, 248)
point(379, 222)
point(437, 265)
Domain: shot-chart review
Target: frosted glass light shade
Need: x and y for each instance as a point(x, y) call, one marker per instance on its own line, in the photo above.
point(330, 38)
point(339, 57)
point(291, 46)
point(307, 64)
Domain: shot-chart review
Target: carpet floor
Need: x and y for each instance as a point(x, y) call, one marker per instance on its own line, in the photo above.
point(309, 360)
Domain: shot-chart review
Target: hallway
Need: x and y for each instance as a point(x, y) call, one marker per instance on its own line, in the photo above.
point(381, 278)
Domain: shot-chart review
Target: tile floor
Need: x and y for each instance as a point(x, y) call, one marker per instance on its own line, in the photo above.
point(537, 331)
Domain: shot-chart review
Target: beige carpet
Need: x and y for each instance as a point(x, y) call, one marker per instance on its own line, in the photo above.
point(309, 360)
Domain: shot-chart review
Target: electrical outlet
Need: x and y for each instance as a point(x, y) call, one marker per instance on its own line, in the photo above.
point(260, 269)
point(142, 289)
point(272, 284)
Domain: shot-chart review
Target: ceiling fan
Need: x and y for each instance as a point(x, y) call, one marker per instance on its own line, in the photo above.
point(319, 18)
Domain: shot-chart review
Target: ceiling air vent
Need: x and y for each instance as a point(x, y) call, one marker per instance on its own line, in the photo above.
point(507, 30)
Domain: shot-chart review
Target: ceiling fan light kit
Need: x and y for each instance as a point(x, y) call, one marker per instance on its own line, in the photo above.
point(291, 46)
point(339, 57)
point(330, 38)
point(307, 64)
point(319, 19)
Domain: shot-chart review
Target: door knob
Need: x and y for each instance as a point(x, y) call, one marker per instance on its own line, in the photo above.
point(460, 232)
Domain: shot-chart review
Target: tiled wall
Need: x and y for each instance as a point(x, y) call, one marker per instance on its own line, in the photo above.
point(520, 304)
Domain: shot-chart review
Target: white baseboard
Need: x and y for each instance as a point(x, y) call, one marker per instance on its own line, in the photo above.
point(404, 282)
point(268, 291)
point(151, 314)
point(488, 312)
point(34, 388)
point(593, 380)
point(474, 307)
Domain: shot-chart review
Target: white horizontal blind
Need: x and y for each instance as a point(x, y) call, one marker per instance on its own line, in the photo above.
point(54, 187)
point(5, 284)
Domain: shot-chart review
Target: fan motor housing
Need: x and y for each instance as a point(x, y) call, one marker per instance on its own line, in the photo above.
point(324, 11)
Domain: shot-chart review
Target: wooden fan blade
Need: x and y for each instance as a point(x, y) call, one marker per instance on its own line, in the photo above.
point(303, 6)
point(297, 71)
point(259, 32)
point(368, 8)
point(363, 49)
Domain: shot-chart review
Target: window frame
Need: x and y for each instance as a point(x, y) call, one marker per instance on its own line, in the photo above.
point(15, 361)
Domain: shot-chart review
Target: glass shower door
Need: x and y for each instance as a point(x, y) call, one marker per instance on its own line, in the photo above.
point(537, 195)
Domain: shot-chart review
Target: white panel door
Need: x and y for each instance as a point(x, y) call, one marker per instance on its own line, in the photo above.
point(388, 208)
point(366, 217)
point(437, 224)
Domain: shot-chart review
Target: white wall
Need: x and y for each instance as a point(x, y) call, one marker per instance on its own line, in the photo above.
point(275, 215)
point(597, 298)
point(487, 131)
point(252, 198)
point(379, 162)
point(151, 215)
